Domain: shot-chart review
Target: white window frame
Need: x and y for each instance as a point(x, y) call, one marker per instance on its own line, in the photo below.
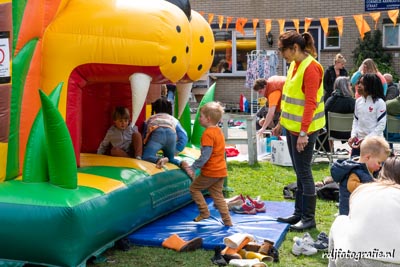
point(235, 35)
point(318, 47)
point(326, 40)
point(385, 26)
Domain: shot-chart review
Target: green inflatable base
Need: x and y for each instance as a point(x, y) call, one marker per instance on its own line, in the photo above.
point(66, 227)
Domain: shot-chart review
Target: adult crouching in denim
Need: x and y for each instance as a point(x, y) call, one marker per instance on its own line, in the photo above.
point(164, 132)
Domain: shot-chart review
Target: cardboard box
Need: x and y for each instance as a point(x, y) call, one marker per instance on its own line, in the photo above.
point(280, 153)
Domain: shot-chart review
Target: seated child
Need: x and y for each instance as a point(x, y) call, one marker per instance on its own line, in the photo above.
point(212, 164)
point(123, 136)
point(372, 223)
point(350, 173)
point(164, 132)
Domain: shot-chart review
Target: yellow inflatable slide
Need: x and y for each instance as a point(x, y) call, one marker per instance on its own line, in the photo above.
point(64, 65)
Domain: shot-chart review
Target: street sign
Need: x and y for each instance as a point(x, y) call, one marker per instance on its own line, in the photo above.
point(377, 5)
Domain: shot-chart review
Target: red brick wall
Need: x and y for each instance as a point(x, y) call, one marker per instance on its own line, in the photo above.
point(229, 89)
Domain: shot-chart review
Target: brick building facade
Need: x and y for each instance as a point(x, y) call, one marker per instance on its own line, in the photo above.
point(230, 86)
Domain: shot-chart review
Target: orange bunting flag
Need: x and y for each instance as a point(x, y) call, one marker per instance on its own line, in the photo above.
point(201, 13)
point(240, 23)
point(210, 18)
point(339, 22)
point(325, 25)
point(228, 21)
point(267, 26)
point(375, 16)
point(255, 23)
point(362, 25)
point(220, 21)
point(296, 23)
point(307, 23)
point(393, 15)
point(281, 25)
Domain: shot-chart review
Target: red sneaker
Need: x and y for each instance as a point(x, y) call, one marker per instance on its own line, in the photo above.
point(246, 208)
point(235, 201)
point(258, 205)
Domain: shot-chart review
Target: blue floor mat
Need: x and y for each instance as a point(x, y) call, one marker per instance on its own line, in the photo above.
point(261, 226)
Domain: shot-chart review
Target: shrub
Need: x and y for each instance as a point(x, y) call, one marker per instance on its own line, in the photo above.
point(371, 47)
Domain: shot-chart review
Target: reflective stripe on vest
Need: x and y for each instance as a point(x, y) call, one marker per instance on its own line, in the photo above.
point(293, 100)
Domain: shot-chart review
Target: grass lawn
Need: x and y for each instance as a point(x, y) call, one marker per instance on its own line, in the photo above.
point(263, 179)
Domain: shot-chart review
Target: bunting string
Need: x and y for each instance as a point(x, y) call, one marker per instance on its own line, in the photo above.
point(362, 24)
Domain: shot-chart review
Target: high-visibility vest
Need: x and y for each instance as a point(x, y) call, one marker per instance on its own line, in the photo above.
point(293, 100)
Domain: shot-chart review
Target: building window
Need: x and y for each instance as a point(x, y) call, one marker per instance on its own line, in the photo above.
point(391, 36)
point(332, 39)
point(231, 49)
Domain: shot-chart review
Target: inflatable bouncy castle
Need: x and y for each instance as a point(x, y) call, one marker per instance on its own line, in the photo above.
point(64, 65)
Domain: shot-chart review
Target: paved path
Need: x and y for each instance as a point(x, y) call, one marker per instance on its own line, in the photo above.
point(241, 132)
point(243, 156)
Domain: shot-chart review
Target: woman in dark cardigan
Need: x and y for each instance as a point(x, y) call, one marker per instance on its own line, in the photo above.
point(333, 72)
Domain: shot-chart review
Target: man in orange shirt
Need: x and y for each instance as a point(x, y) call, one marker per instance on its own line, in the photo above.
point(271, 89)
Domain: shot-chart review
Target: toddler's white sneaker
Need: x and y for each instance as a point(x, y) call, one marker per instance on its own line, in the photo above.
point(300, 246)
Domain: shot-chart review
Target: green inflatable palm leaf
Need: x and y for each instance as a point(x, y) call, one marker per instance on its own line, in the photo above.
point(35, 163)
point(186, 121)
point(21, 63)
point(197, 128)
point(60, 151)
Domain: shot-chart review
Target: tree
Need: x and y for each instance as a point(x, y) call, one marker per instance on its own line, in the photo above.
point(371, 47)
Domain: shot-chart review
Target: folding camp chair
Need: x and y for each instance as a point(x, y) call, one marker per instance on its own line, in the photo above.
point(392, 133)
point(320, 150)
point(339, 122)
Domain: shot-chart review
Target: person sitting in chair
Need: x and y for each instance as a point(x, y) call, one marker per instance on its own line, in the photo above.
point(341, 101)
